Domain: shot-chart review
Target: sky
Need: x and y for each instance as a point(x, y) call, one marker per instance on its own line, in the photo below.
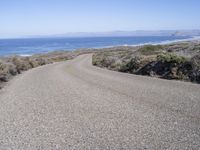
point(20, 18)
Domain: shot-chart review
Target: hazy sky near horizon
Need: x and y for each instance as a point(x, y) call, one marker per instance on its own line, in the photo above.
point(46, 17)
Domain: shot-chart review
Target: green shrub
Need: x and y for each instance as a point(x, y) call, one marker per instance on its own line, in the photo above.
point(97, 60)
point(6, 70)
point(196, 61)
point(171, 58)
point(132, 65)
point(150, 49)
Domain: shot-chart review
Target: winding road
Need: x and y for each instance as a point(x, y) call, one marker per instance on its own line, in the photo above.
point(74, 105)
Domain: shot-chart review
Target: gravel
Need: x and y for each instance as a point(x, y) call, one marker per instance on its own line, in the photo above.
point(74, 105)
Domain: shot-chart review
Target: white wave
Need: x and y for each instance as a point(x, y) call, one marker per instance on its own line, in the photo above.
point(152, 43)
point(168, 41)
point(25, 55)
point(180, 40)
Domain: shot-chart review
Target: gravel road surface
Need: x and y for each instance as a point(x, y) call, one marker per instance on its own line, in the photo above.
point(74, 105)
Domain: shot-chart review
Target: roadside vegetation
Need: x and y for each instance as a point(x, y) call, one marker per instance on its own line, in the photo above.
point(180, 61)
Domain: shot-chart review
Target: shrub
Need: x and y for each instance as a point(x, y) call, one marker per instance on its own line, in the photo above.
point(171, 58)
point(150, 49)
point(196, 61)
point(195, 76)
point(132, 65)
point(21, 65)
point(6, 70)
point(41, 61)
point(96, 59)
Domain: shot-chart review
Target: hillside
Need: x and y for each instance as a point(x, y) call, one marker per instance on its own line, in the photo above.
point(178, 61)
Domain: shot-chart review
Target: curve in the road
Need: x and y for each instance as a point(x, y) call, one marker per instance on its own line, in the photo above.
point(74, 105)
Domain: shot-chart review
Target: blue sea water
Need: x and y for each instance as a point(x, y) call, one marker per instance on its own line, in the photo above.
point(32, 46)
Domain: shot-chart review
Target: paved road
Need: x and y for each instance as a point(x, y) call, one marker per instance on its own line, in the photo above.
point(74, 105)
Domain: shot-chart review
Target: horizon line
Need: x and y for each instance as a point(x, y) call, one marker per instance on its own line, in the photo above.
point(97, 34)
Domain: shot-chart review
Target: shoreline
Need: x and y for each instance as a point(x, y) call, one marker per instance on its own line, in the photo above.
point(187, 38)
point(191, 39)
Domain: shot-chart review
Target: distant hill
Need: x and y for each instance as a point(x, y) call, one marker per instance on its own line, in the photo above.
point(187, 33)
point(129, 33)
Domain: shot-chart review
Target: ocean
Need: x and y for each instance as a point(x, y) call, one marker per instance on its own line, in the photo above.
point(30, 46)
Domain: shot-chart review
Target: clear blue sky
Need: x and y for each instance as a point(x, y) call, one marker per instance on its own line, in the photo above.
point(41, 17)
